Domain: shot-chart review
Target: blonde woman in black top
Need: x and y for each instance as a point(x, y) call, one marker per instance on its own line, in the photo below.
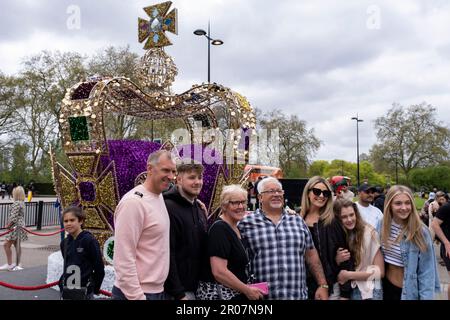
point(328, 236)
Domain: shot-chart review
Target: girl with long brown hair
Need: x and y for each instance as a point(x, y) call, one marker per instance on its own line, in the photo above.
point(364, 247)
point(328, 235)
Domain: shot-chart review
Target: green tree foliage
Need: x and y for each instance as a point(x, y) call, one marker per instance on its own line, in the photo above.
point(318, 168)
point(338, 167)
point(30, 104)
point(431, 177)
point(297, 143)
point(410, 137)
point(20, 167)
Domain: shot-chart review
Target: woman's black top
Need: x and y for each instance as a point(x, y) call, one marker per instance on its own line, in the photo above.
point(224, 243)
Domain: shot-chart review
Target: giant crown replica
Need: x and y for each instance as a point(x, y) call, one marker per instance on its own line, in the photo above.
point(101, 171)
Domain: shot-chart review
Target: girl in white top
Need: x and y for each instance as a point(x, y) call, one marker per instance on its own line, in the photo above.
point(364, 245)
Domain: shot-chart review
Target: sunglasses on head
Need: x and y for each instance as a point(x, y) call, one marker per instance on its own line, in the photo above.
point(317, 192)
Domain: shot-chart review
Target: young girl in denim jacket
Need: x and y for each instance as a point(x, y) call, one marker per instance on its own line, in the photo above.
point(411, 268)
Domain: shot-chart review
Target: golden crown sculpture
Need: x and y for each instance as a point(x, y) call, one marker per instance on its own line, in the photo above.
point(101, 171)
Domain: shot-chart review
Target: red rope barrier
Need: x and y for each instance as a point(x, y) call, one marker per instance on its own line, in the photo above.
point(43, 234)
point(4, 234)
point(44, 286)
point(28, 288)
point(106, 293)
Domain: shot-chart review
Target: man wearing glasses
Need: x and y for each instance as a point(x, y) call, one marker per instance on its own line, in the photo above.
point(368, 212)
point(279, 244)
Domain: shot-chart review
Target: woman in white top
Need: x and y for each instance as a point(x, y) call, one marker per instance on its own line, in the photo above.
point(364, 249)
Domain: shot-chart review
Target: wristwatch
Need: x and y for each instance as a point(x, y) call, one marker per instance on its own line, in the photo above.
point(323, 286)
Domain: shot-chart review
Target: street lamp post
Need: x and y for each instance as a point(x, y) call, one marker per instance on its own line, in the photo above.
point(358, 120)
point(396, 168)
point(215, 42)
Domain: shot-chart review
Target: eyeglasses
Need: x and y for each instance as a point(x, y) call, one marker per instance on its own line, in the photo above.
point(280, 192)
point(317, 192)
point(237, 203)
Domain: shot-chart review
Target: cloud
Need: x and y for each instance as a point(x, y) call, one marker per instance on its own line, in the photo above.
point(322, 60)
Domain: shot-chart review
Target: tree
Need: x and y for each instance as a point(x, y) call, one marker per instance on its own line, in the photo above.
point(297, 143)
point(52, 74)
point(431, 177)
point(8, 122)
point(318, 168)
point(411, 138)
point(20, 167)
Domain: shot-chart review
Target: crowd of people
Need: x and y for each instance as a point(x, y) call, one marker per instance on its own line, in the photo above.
point(167, 246)
point(6, 189)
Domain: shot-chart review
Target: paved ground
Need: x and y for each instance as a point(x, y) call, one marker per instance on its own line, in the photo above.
point(34, 259)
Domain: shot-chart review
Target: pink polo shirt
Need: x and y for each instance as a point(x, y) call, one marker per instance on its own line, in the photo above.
point(141, 243)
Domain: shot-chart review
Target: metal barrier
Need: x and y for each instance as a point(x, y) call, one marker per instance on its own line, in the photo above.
point(39, 214)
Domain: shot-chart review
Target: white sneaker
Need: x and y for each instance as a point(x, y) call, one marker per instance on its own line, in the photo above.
point(17, 268)
point(8, 267)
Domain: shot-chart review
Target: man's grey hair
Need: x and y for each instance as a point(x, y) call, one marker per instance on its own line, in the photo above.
point(264, 181)
point(154, 157)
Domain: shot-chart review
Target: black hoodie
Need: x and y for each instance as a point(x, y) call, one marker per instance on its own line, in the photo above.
point(84, 252)
point(188, 235)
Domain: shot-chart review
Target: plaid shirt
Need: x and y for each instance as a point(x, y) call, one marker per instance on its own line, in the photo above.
point(277, 253)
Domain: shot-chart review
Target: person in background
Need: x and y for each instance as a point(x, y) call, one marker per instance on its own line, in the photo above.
point(424, 216)
point(81, 249)
point(410, 262)
point(15, 221)
point(441, 227)
point(369, 213)
point(379, 198)
point(346, 193)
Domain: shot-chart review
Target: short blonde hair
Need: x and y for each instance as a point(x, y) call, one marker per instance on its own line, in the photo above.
point(18, 194)
point(230, 190)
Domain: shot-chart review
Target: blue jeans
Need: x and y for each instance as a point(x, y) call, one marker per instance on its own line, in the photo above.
point(117, 294)
point(377, 294)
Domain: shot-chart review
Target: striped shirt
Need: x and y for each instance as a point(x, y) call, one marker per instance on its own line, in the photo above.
point(277, 253)
point(393, 253)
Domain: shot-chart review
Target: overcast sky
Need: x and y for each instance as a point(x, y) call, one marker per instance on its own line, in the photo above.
point(325, 61)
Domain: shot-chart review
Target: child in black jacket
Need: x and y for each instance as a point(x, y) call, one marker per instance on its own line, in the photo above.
point(83, 263)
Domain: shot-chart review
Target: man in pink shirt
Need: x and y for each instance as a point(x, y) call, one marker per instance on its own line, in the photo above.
point(142, 234)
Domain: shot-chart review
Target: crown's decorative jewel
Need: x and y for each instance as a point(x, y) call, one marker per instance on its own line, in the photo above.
point(160, 21)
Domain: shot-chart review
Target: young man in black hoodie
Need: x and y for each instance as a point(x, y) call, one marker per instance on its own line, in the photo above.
point(188, 232)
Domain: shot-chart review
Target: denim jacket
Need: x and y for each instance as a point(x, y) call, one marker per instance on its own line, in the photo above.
point(421, 277)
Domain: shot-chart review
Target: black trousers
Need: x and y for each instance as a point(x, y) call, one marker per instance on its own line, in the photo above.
point(390, 291)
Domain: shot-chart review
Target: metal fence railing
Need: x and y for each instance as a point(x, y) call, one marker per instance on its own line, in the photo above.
point(39, 214)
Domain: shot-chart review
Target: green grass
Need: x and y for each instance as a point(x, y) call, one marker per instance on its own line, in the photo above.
point(419, 202)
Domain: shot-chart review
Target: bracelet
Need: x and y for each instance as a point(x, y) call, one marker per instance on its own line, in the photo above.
point(325, 286)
